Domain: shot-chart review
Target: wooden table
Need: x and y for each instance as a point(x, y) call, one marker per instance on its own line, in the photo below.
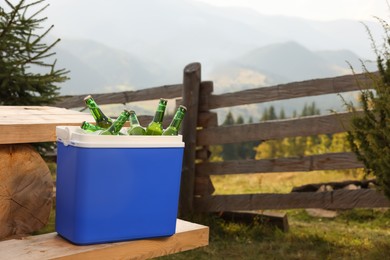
point(51, 246)
point(30, 124)
point(33, 124)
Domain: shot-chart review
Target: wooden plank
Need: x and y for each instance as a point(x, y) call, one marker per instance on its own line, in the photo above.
point(29, 124)
point(191, 85)
point(306, 88)
point(329, 161)
point(206, 88)
point(338, 199)
point(203, 153)
point(203, 186)
point(51, 246)
point(36, 110)
point(166, 91)
point(275, 129)
point(207, 119)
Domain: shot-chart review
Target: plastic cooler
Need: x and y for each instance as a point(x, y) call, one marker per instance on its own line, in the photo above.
point(115, 188)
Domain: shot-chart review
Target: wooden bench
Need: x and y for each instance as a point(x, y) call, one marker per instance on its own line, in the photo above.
point(51, 246)
point(33, 124)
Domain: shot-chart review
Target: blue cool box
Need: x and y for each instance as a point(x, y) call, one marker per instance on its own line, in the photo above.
point(115, 188)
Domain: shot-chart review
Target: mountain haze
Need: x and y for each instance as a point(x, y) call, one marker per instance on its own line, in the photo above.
point(128, 45)
point(282, 63)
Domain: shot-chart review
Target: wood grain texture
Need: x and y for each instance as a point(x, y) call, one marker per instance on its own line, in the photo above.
point(206, 88)
point(191, 86)
point(306, 88)
point(166, 91)
point(25, 192)
point(30, 124)
point(329, 161)
point(338, 199)
point(275, 129)
point(207, 119)
point(51, 246)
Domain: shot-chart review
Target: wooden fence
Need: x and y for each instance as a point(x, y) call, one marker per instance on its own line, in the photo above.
point(200, 130)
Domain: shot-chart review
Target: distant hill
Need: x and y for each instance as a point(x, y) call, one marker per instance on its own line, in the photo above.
point(139, 44)
point(282, 63)
point(97, 68)
point(125, 45)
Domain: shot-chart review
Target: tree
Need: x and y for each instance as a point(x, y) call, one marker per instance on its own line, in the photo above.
point(369, 136)
point(282, 114)
point(229, 150)
point(246, 150)
point(291, 146)
point(23, 51)
point(269, 114)
point(310, 110)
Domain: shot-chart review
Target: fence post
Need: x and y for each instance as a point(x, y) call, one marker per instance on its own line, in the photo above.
point(191, 87)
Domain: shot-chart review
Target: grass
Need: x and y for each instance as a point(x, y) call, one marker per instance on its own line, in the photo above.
point(277, 182)
point(353, 234)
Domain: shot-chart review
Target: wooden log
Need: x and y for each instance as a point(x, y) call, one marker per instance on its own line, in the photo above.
point(25, 191)
point(191, 85)
point(338, 199)
point(203, 184)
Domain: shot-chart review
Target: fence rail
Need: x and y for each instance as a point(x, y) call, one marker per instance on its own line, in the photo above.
point(201, 130)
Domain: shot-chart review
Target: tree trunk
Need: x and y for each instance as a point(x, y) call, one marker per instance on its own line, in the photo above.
point(26, 189)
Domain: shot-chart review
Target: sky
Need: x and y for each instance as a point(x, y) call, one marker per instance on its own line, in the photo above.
point(323, 10)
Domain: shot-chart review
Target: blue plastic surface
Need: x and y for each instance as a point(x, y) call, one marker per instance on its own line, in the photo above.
point(115, 194)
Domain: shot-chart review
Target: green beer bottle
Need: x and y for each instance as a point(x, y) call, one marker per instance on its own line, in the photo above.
point(135, 128)
point(101, 119)
point(90, 127)
point(117, 125)
point(155, 127)
point(173, 128)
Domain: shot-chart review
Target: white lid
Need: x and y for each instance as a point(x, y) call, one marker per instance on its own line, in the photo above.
point(75, 136)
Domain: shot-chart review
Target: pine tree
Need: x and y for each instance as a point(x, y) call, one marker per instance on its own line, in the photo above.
point(229, 150)
point(246, 150)
point(369, 136)
point(282, 114)
point(23, 51)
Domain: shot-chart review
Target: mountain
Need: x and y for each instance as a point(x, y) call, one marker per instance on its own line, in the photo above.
point(281, 63)
point(124, 45)
point(95, 67)
point(173, 33)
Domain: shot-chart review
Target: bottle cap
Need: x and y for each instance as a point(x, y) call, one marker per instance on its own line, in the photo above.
point(87, 97)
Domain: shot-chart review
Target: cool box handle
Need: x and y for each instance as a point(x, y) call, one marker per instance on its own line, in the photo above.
point(63, 134)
